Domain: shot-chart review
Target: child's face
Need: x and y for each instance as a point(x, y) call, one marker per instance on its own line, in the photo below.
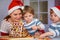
point(28, 17)
point(54, 17)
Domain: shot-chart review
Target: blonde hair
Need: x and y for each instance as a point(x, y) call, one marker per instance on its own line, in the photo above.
point(28, 9)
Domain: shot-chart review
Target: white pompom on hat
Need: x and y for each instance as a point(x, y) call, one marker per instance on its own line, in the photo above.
point(56, 9)
point(15, 4)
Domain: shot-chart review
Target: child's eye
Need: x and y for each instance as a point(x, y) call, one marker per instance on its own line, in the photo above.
point(20, 13)
point(25, 16)
point(55, 15)
point(29, 15)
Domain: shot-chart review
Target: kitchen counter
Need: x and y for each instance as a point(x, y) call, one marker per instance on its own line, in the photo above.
point(8, 38)
point(27, 38)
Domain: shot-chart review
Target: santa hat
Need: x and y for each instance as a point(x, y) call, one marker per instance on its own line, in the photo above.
point(56, 9)
point(15, 4)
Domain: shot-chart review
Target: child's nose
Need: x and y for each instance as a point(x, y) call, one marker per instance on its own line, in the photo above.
point(28, 17)
point(51, 18)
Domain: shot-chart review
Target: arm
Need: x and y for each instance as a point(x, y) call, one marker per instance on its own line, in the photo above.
point(46, 34)
point(40, 25)
point(41, 28)
point(4, 29)
point(52, 33)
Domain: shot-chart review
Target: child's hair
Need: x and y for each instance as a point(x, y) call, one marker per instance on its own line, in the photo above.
point(51, 11)
point(28, 9)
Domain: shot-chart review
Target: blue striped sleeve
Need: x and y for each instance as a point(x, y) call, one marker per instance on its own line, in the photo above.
point(55, 31)
point(38, 23)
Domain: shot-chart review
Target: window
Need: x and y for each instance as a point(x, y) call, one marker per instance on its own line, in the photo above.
point(41, 9)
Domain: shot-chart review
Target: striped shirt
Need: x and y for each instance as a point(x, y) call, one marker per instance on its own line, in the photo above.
point(34, 22)
point(55, 28)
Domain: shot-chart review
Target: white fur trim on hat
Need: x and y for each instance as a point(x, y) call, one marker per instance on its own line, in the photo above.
point(56, 10)
point(14, 8)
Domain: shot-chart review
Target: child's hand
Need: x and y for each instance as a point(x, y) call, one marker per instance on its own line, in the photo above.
point(37, 34)
point(34, 28)
point(42, 36)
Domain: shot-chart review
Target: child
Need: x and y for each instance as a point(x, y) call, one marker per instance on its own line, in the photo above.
point(54, 28)
point(30, 23)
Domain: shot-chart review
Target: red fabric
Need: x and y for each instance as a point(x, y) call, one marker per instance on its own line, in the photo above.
point(4, 34)
point(41, 31)
point(15, 3)
point(16, 0)
point(58, 7)
point(3, 39)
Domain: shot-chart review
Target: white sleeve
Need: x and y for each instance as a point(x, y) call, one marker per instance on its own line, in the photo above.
point(4, 27)
point(42, 26)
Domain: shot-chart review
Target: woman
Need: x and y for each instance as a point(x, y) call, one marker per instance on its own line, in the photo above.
point(14, 16)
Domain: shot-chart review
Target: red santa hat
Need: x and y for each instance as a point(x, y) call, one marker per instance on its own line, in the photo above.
point(56, 9)
point(15, 4)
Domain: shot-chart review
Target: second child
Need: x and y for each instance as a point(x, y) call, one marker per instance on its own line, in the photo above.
point(54, 28)
point(30, 23)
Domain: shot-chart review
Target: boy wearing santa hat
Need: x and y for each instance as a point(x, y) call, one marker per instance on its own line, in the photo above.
point(54, 28)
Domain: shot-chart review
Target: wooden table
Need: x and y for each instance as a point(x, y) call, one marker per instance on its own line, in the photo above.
point(28, 38)
point(7, 38)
